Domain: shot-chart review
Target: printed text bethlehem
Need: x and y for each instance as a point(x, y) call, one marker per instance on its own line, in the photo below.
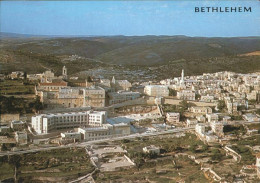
point(222, 9)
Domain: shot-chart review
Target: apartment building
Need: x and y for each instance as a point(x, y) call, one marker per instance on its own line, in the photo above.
point(71, 97)
point(105, 131)
point(45, 123)
point(186, 95)
point(200, 110)
point(121, 84)
point(217, 127)
point(122, 96)
point(212, 117)
point(173, 117)
point(156, 90)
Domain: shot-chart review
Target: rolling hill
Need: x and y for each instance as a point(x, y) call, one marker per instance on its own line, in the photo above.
point(205, 54)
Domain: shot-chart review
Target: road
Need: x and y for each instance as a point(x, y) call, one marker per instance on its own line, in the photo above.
point(84, 144)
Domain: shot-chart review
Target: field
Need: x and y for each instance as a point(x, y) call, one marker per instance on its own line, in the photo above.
point(172, 165)
point(16, 87)
point(55, 165)
point(169, 170)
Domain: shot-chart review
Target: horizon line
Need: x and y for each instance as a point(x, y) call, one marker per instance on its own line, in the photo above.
point(117, 35)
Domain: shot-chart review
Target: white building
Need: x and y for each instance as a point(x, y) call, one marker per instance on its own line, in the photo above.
point(201, 118)
point(200, 110)
point(71, 136)
point(105, 131)
point(21, 137)
point(212, 117)
point(44, 123)
point(122, 96)
point(186, 95)
point(156, 90)
point(232, 107)
point(173, 117)
point(192, 122)
point(121, 84)
point(200, 129)
point(207, 98)
point(251, 117)
point(17, 125)
point(258, 165)
point(217, 127)
point(151, 149)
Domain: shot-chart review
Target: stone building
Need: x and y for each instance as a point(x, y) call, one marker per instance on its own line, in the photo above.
point(186, 95)
point(173, 117)
point(156, 90)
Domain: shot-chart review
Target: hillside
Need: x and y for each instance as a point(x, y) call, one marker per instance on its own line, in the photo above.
point(194, 54)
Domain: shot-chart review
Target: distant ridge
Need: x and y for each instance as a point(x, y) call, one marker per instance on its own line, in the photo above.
point(17, 35)
point(166, 55)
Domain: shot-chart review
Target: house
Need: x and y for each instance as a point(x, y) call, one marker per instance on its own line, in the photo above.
point(17, 125)
point(120, 84)
point(151, 149)
point(200, 110)
point(21, 137)
point(201, 118)
point(200, 128)
point(105, 131)
point(186, 95)
point(217, 127)
point(258, 165)
point(212, 117)
point(7, 118)
point(173, 117)
point(191, 122)
point(4, 129)
point(122, 96)
point(156, 90)
point(251, 117)
point(207, 98)
point(76, 136)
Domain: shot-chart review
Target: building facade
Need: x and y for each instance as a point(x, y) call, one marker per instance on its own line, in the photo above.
point(156, 90)
point(173, 117)
point(186, 95)
point(105, 131)
point(45, 123)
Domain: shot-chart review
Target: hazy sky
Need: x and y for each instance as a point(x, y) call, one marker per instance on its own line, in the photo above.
point(127, 18)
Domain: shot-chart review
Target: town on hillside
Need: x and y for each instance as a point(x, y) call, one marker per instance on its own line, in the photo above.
point(213, 118)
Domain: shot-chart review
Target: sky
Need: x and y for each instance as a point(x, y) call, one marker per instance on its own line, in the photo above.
point(128, 18)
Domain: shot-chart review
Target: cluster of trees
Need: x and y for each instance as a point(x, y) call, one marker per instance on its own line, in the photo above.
point(181, 108)
point(216, 155)
point(172, 92)
point(247, 156)
point(15, 161)
point(221, 105)
point(11, 105)
point(139, 157)
point(234, 129)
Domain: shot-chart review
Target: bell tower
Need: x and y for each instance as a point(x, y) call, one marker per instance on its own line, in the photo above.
point(64, 72)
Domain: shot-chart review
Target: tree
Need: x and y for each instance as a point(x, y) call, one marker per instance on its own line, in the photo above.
point(37, 105)
point(197, 96)
point(25, 75)
point(193, 148)
point(221, 105)
point(4, 148)
point(205, 147)
point(172, 92)
point(89, 79)
point(184, 104)
point(15, 161)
